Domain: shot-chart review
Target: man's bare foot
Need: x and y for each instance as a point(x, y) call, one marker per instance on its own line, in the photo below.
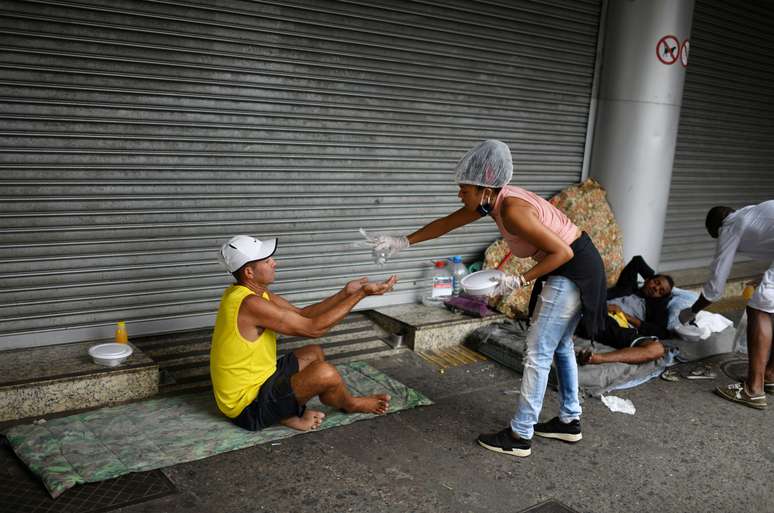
point(310, 420)
point(378, 404)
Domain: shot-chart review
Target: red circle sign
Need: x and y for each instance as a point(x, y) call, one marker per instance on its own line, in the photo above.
point(668, 49)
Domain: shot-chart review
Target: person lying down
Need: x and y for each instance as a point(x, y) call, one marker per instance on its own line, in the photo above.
point(637, 318)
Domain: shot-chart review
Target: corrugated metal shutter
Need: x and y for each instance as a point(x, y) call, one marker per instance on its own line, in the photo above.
point(138, 135)
point(725, 144)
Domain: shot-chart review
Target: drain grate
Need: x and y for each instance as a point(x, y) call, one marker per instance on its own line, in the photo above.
point(454, 356)
point(735, 369)
point(22, 492)
point(550, 506)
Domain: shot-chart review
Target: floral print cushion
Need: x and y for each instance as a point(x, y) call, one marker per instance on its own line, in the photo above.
point(586, 206)
point(110, 442)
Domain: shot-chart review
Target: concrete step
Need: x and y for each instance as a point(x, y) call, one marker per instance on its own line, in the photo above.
point(361, 336)
point(164, 353)
point(44, 380)
point(331, 344)
point(191, 374)
point(39, 381)
point(366, 354)
point(184, 358)
point(200, 364)
point(428, 328)
point(185, 388)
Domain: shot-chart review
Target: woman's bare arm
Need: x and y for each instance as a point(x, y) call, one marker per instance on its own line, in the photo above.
point(443, 225)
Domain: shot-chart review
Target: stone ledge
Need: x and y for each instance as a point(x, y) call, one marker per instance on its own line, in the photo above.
point(44, 380)
point(427, 328)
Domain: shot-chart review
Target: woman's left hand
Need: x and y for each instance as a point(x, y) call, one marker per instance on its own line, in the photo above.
point(507, 283)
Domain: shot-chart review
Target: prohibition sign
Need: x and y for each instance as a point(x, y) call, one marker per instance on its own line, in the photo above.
point(685, 49)
point(668, 49)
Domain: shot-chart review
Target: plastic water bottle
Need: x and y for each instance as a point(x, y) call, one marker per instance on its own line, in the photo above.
point(458, 271)
point(121, 336)
point(441, 285)
point(380, 257)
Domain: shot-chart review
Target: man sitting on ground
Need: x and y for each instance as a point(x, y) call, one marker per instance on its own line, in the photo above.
point(637, 317)
point(251, 386)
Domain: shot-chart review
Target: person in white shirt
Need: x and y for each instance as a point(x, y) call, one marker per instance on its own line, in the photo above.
point(749, 231)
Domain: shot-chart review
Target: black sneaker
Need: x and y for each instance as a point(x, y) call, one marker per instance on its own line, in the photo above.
point(555, 428)
point(503, 442)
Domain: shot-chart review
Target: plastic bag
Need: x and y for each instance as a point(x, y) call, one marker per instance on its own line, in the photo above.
point(740, 339)
point(618, 404)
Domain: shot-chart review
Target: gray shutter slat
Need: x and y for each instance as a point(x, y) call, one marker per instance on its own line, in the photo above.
point(725, 144)
point(136, 136)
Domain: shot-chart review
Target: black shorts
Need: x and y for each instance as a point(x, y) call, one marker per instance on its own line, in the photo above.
point(275, 401)
point(619, 337)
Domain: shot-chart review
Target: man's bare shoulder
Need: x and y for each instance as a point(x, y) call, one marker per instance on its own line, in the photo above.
point(255, 304)
point(258, 306)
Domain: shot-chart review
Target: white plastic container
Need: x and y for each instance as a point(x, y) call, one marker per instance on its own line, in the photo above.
point(692, 333)
point(440, 285)
point(482, 283)
point(458, 272)
point(110, 355)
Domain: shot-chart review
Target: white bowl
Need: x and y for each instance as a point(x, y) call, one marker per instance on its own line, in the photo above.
point(692, 333)
point(482, 283)
point(111, 354)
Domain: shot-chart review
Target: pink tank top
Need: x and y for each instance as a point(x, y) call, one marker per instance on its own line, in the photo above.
point(551, 217)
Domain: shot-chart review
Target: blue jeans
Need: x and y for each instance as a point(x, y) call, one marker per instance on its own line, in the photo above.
point(554, 320)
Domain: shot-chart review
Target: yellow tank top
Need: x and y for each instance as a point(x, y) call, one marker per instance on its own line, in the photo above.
point(238, 367)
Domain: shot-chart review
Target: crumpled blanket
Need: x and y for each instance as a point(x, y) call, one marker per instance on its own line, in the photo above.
point(109, 442)
point(506, 344)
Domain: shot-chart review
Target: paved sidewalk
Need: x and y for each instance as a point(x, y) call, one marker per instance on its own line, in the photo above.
point(685, 450)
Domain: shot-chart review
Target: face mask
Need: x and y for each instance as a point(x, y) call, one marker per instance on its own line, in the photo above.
point(485, 207)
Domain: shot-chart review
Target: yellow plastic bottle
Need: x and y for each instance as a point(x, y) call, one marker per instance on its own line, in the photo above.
point(748, 291)
point(121, 335)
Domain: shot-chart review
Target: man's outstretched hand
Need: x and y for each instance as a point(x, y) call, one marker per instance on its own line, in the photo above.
point(355, 285)
point(379, 288)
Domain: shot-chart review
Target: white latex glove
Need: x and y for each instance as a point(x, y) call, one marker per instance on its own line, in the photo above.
point(507, 283)
point(686, 316)
point(384, 246)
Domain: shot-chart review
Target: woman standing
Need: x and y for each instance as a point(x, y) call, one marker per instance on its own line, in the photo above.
point(570, 285)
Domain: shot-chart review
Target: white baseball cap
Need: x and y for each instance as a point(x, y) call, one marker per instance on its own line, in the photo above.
point(241, 249)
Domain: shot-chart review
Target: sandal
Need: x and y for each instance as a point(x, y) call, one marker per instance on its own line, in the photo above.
point(583, 356)
point(702, 372)
point(737, 393)
point(670, 375)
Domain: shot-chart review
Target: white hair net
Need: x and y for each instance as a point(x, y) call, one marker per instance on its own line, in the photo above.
point(488, 164)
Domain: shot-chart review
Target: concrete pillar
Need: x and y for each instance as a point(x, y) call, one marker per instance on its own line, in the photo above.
point(638, 110)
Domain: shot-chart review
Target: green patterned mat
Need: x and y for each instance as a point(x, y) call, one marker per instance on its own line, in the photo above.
point(110, 442)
